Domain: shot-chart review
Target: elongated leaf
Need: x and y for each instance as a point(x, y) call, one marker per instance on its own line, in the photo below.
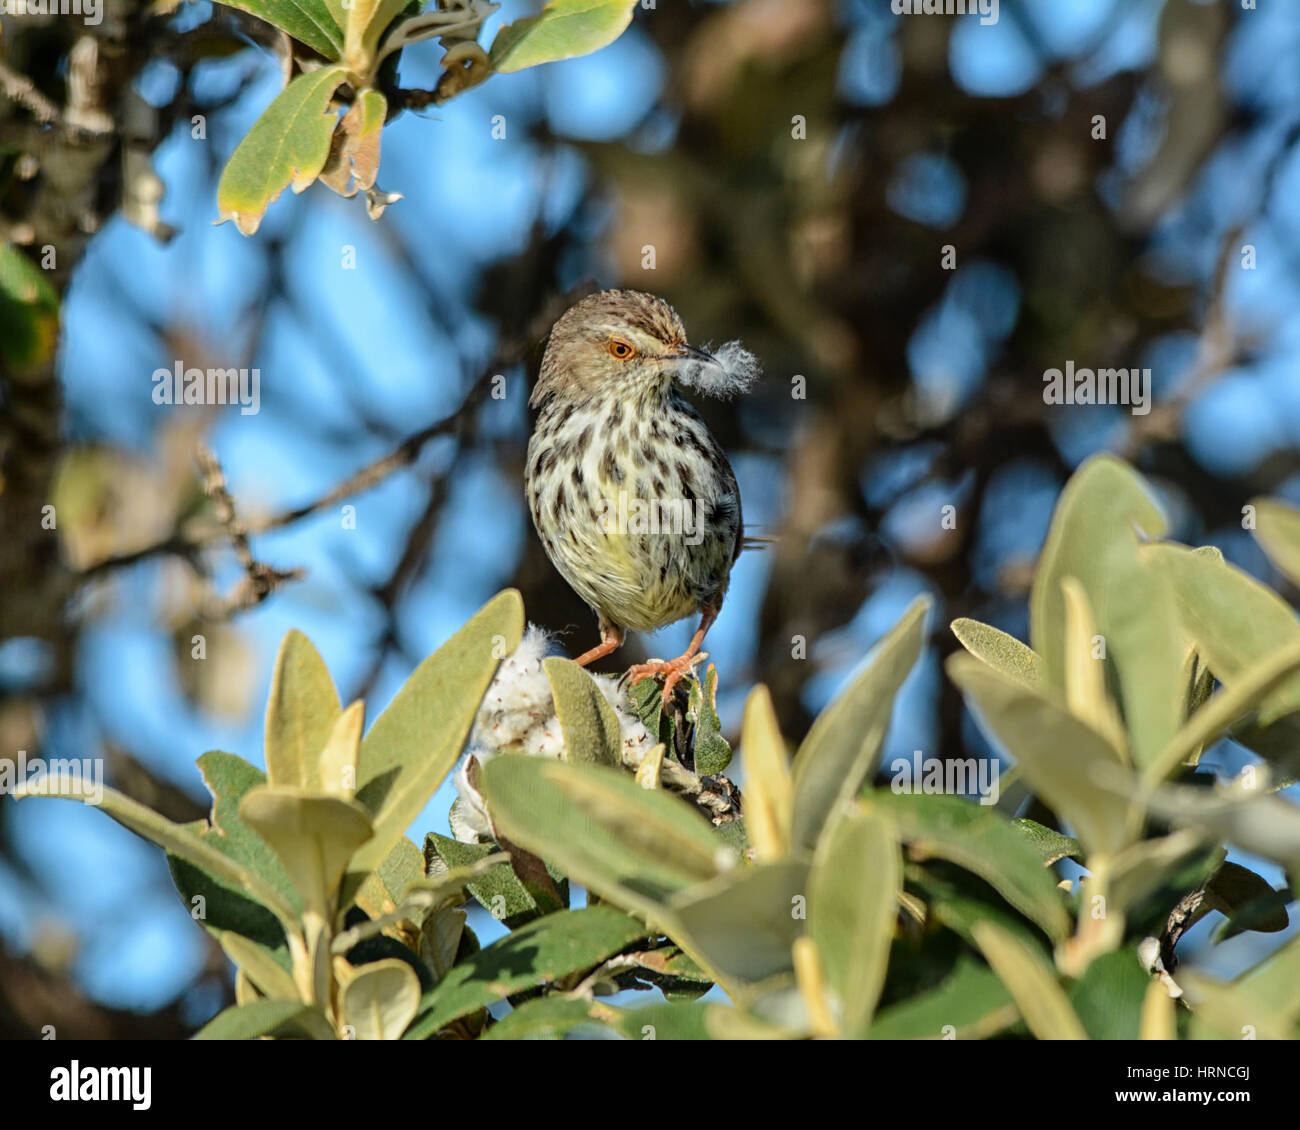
point(709, 748)
point(260, 966)
point(1093, 538)
point(1237, 623)
point(415, 742)
point(1062, 759)
point(336, 767)
point(970, 1004)
point(499, 891)
point(314, 836)
point(381, 1000)
point(288, 145)
point(769, 790)
point(984, 842)
point(266, 1017)
point(536, 954)
point(1032, 982)
point(1229, 706)
point(563, 29)
point(1000, 651)
point(1248, 899)
point(633, 846)
point(300, 714)
point(1085, 673)
point(1047, 844)
point(1108, 998)
point(546, 1018)
point(183, 840)
point(1277, 529)
point(312, 22)
point(589, 724)
point(743, 924)
point(840, 750)
point(856, 874)
point(1257, 822)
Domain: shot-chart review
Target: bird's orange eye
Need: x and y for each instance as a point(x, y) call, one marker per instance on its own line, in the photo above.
point(621, 349)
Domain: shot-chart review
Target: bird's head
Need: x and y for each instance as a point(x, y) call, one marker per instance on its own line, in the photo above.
point(617, 342)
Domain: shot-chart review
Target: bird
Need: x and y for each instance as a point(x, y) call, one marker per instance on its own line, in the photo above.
point(631, 495)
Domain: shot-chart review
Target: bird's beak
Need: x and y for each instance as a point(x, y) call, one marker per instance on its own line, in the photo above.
point(688, 355)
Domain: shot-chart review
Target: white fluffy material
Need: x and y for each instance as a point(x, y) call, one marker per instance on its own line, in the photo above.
point(518, 716)
point(735, 373)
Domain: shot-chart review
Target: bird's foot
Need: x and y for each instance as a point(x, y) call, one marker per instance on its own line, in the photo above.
point(672, 670)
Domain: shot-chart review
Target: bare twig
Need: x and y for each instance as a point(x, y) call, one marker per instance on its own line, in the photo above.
point(260, 579)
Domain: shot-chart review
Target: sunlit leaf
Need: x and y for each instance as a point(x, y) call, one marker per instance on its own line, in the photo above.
point(562, 30)
point(287, 146)
point(841, 749)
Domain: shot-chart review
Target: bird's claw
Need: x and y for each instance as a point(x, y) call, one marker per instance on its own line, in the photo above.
point(673, 671)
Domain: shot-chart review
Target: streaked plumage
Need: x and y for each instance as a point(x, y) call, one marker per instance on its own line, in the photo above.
point(615, 449)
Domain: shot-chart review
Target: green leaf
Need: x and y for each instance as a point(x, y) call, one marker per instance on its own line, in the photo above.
point(1263, 1003)
point(29, 311)
point(1248, 899)
point(589, 724)
point(743, 924)
point(852, 903)
point(300, 714)
point(840, 750)
point(1224, 709)
point(314, 836)
point(983, 841)
point(769, 790)
point(499, 890)
point(1032, 983)
point(182, 840)
point(260, 966)
point(380, 1000)
point(633, 846)
point(1000, 651)
point(1058, 755)
point(266, 1017)
point(709, 748)
point(536, 954)
point(563, 29)
point(308, 21)
point(546, 1018)
point(1093, 539)
point(959, 901)
point(415, 742)
point(366, 21)
point(1048, 844)
point(970, 1004)
point(1108, 997)
point(1277, 529)
point(1237, 623)
point(1263, 824)
point(288, 145)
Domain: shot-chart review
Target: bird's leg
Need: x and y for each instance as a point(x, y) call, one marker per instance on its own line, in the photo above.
point(673, 670)
point(610, 639)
